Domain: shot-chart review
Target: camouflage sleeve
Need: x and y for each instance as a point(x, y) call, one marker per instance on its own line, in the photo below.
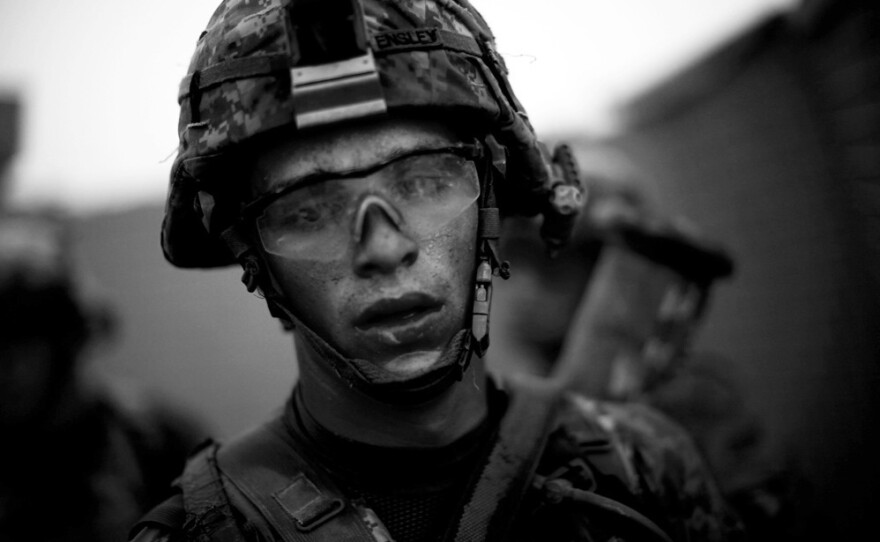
point(164, 523)
point(667, 470)
point(154, 533)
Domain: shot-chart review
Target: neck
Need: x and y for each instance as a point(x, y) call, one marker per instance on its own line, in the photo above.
point(351, 414)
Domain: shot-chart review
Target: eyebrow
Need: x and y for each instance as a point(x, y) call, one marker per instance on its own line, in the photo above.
point(325, 174)
point(469, 150)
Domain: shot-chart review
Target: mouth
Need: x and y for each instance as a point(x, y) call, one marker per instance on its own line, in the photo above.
point(401, 312)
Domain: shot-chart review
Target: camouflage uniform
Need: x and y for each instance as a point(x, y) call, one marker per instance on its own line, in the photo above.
point(605, 471)
point(661, 474)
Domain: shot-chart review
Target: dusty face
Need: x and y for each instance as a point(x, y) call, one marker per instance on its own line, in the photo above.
point(395, 295)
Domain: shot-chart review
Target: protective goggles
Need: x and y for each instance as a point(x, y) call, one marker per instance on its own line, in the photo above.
point(419, 193)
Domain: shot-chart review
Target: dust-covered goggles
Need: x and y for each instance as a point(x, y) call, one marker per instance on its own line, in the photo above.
point(418, 192)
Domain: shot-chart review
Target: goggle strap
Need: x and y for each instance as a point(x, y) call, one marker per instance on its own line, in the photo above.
point(235, 241)
point(244, 253)
point(232, 70)
point(497, 155)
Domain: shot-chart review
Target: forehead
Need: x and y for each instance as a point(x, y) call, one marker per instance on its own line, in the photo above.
point(288, 158)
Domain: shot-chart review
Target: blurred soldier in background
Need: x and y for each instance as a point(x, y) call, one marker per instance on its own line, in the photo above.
point(614, 317)
point(355, 158)
point(553, 288)
point(77, 462)
point(628, 295)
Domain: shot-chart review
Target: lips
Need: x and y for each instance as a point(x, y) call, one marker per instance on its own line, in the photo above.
point(409, 309)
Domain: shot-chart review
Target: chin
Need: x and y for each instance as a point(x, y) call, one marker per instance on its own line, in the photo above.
point(412, 363)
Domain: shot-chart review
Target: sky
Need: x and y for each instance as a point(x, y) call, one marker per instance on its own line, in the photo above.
point(97, 79)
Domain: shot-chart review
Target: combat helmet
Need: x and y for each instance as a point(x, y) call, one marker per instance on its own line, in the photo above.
point(263, 66)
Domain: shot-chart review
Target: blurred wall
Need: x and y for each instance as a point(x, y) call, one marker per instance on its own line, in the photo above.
point(772, 145)
point(195, 337)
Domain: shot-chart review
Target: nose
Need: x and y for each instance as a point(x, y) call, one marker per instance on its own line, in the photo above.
point(382, 246)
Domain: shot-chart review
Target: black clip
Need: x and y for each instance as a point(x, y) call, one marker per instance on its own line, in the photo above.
point(335, 77)
point(565, 201)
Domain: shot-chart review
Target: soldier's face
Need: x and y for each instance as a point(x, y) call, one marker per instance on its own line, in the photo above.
point(364, 263)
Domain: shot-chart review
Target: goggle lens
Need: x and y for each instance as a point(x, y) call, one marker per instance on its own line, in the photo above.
point(316, 221)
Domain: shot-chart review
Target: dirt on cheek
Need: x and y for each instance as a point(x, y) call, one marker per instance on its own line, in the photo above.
point(310, 287)
point(450, 262)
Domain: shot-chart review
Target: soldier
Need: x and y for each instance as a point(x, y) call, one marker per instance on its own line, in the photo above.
point(355, 157)
point(99, 460)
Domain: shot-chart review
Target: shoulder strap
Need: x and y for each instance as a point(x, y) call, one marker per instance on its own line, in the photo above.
point(208, 514)
point(492, 507)
point(298, 500)
point(608, 472)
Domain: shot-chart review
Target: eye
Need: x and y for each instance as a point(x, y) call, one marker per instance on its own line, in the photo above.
point(312, 214)
point(423, 187)
point(304, 216)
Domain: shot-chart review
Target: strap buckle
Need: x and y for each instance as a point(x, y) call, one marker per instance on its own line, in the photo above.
point(307, 504)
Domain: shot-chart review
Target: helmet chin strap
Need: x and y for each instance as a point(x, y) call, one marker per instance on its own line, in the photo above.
point(488, 232)
point(389, 387)
point(368, 377)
